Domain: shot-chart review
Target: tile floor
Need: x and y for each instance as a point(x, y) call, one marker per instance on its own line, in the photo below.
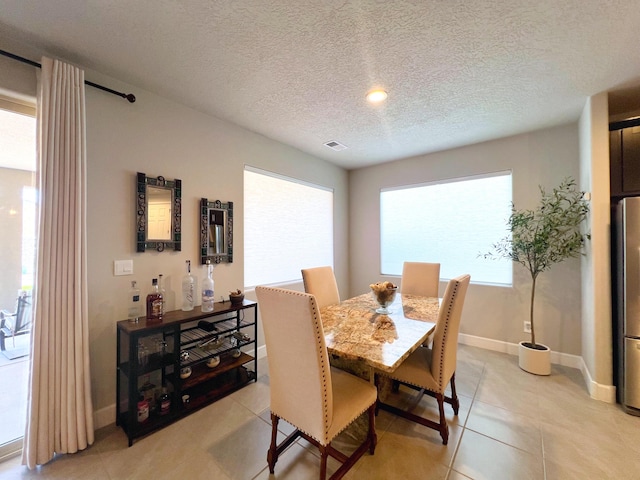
point(512, 425)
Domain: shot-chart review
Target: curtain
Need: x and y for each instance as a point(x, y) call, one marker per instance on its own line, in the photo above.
point(59, 408)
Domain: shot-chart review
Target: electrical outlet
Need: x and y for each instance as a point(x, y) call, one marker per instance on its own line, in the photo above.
point(527, 327)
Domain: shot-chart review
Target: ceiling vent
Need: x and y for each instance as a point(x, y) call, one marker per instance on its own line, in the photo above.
point(333, 145)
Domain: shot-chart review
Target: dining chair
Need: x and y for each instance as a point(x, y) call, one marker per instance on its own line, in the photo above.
point(318, 400)
point(420, 278)
point(430, 370)
point(321, 282)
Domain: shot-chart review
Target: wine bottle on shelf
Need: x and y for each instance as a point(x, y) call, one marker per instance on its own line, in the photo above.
point(163, 293)
point(188, 289)
point(165, 402)
point(207, 289)
point(135, 306)
point(154, 303)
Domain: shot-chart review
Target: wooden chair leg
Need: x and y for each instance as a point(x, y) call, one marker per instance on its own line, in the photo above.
point(324, 453)
point(272, 454)
point(443, 428)
point(373, 438)
point(455, 403)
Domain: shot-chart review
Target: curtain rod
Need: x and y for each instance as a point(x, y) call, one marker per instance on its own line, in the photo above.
point(129, 96)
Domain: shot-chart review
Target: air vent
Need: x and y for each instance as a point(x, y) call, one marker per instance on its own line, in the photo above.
point(333, 145)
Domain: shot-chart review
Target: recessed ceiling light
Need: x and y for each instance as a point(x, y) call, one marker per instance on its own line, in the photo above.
point(376, 96)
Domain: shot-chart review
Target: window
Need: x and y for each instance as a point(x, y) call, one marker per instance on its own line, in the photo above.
point(450, 223)
point(288, 225)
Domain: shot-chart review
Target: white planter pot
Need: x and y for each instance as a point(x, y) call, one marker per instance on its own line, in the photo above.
point(534, 361)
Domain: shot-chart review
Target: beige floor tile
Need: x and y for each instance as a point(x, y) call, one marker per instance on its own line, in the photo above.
point(398, 456)
point(297, 463)
point(254, 396)
point(588, 452)
point(453, 475)
point(499, 392)
point(481, 457)
point(517, 430)
point(242, 454)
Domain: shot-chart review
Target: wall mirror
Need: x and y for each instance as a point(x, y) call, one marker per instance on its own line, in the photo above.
point(159, 213)
point(216, 231)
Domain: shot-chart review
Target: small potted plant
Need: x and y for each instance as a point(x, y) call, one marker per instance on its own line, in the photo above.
point(538, 239)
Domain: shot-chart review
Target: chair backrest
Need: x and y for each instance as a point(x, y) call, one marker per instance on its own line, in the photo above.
point(23, 312)
point(321, 283)
point(299, 370)
point(445, 336)
point(420, 278)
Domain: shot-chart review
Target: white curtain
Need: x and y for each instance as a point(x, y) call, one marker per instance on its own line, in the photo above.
point(60, 411)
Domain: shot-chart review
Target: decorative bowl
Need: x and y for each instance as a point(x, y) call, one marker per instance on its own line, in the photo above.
point(185, 372)
point(236, 299)
point(384, 294)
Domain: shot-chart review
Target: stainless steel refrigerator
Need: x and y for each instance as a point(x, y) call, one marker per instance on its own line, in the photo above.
point(627, 331)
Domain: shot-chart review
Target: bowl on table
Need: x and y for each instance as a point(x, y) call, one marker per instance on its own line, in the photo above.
point(384, 293)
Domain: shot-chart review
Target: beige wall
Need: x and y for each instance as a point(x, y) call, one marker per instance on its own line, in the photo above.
point(538, 158)
point(159, 137)
point(596, 278)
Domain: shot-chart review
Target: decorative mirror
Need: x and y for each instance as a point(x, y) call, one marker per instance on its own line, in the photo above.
point(159, 210)
point(216, 231)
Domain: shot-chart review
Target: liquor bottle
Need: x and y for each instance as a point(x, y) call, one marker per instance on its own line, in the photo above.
point(135, 306)
point(143, 409)
point(154, 303)
point(188, 289)
point(164, 294)
point(165, 402)
point(207, 289)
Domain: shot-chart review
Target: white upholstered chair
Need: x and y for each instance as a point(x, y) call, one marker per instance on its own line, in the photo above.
point(318, 400)
point(420, 278)
point(430, 370)
point(321, 283)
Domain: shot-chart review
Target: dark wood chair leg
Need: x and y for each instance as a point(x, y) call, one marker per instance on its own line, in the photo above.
point(324, 453)
point(373, 438)
point(272, 454)
point(455, 403)
point(443, 428)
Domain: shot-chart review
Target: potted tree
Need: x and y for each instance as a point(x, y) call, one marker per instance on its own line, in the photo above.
point(538, 239)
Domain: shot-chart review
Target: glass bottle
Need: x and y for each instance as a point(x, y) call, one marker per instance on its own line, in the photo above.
point(207, 289)
point(135, 306)
point(154, 303)
point(188, 289)
point(164, 294)
point(165, 402)
point(143, 409)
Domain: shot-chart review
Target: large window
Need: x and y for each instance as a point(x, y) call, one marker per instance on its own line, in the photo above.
point(288, 225)
point(450, 223)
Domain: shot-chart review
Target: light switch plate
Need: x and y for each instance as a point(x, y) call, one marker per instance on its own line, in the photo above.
point(123, 267)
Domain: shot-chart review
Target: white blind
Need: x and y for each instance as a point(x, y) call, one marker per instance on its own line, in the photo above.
point(288, 226)
point(450, 223)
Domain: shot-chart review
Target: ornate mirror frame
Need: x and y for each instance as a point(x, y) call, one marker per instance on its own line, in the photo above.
point(208, 251)
point(143, 242)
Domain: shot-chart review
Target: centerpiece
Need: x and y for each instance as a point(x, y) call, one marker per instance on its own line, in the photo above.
point(384, 293)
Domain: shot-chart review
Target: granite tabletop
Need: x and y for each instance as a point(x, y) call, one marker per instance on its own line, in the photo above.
point(354, 331)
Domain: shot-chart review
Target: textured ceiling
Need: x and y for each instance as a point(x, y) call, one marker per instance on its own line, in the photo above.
point(457, 72)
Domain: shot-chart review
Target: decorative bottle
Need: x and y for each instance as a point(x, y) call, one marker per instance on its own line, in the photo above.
point(154, 303)
point(135, 306)
point(188, 289)
point(207, 289)
point(163, 293)
point(143, 409)
point(165, 402)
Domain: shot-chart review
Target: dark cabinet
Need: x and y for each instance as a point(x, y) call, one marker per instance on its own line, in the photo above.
point(168, 369)
point(624, 143)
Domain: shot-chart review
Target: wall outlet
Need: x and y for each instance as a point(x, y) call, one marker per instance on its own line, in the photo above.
point(527, 327)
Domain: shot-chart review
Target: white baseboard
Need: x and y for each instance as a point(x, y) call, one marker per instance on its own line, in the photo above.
point(107, 415)
point(597, 391)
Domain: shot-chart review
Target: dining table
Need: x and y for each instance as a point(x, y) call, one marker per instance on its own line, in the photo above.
point(361, 340)
point(356, 335)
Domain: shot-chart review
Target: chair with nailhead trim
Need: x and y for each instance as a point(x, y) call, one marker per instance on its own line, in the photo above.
point(318, 400)
point(430, 370)
point(321, 283)
point(420, 278)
